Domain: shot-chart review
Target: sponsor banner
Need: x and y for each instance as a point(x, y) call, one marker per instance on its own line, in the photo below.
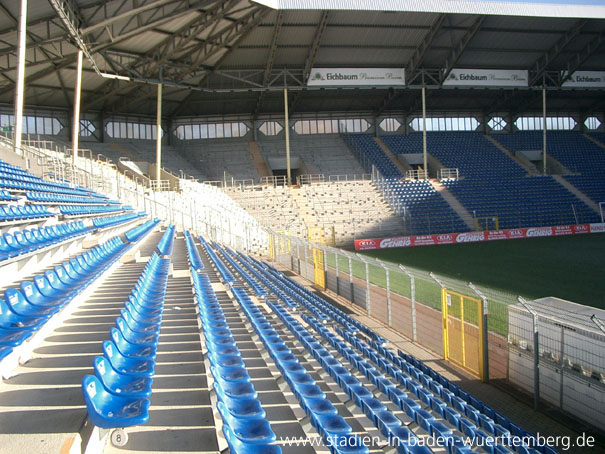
point(487, 78)
point(424, 240)
point(586, 79)
point(366, 245)
point(388, 243)
point(496, 235)
point(597, 228)
point(472, 237)
point(535, 232)
point(354, 77)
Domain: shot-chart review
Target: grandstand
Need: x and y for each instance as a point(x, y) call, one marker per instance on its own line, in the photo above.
point(184, 189)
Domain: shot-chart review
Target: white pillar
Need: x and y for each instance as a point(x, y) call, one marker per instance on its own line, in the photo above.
point(544, 130)
point(75, 133)
point(20, 82)
point(158, 143)
point(425, 160)
point(287, 130)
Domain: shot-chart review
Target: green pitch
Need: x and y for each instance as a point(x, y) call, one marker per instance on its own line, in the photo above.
point(570, 267)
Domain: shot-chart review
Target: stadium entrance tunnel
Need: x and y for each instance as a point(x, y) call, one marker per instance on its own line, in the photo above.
point(277, 164)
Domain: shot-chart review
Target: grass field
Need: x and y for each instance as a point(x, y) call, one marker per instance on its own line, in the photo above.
point(571, 267)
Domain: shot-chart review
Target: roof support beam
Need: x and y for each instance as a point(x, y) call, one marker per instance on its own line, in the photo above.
point(126, 15)
point(423, 47)
point(311, 56)
point(206, 19)
point(461, 46)
point(69, 59)
point(538, 68)
point(270, 59)
point(578, 60)
point(259, 16)
point(314, 47)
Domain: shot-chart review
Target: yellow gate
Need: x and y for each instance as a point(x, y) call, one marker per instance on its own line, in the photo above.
point(318, 267)
point(272, 247)
point(463, 331)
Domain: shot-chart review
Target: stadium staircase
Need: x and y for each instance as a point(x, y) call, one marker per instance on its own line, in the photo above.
point(454, 204)
point(389, 154)
point(259, 162)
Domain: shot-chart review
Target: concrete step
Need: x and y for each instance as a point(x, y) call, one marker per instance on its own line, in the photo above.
point(454, 203)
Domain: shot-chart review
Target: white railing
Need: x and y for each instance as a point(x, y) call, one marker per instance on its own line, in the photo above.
point(415, 174)
point(449, 174)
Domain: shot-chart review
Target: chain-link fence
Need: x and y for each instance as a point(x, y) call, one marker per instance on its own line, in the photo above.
point(571, 367)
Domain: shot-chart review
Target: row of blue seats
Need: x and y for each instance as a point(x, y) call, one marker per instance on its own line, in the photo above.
point(473, 404)
point(19, 243)
point(267, 283)
point(166, 244)
point(18, 174)
point(222, 269)
point(309, 299)
point(251, 280)
point(135, 234)
point(245, 425)
point(111, 221)
point(22, 184)
point(195, 260)
point(20, 212)
point(6, 196)
point(28, 309)
point(48, 197)
point(77, 210)
point(390, 426)
point(118, 394)
point(422, 417)
point(477, 420)
point(335, 431)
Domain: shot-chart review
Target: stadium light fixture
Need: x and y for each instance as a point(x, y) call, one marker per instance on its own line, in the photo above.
point(114, 76)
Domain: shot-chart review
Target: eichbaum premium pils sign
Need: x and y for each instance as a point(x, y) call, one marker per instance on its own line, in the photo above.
point(586, 79)
point(355, 77)
point(487, 78)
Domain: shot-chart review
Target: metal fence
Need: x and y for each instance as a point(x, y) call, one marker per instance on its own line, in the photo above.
point(571, 366)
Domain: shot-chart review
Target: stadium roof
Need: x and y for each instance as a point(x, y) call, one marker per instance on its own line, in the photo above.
point(233, 57)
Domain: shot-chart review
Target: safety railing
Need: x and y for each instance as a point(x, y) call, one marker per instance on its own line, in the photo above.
point(448, 174)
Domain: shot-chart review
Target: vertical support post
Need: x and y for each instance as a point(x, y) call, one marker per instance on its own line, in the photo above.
point(20, 82)
point(287, 134)
point(158, 142)
point(534, 315)
point(386, 270)
point(425, 159)
point(412, 299)
point(306, 251)
point(368, 301)
point(351, 280)
point(544, 130)
point(485, 332)
point(336, 256)
point(75, 128)
point(562, 375)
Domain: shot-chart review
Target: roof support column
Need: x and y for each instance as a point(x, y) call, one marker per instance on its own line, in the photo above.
point(158, 141)
point(544, 130)
point(75, 127)
point(425, 159)
point(20, 82)
point(287, 131)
